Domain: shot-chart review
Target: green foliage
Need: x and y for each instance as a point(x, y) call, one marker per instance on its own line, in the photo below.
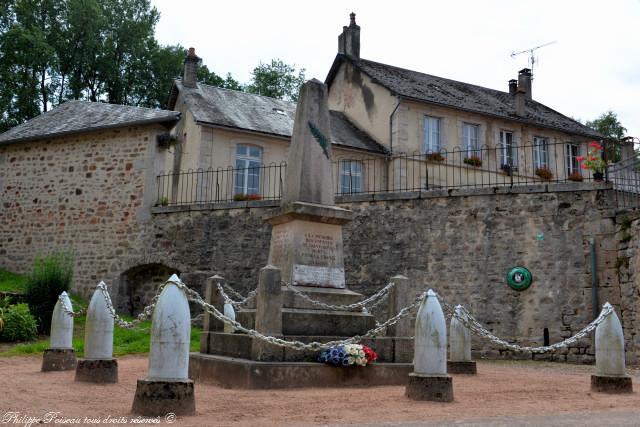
point(277, 80)
point(50, 276)
point(11, 282)
point(101, 50)
point(18, 324)
point(610, 127)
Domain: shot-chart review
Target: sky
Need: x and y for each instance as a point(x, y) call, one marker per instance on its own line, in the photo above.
point(593, 66)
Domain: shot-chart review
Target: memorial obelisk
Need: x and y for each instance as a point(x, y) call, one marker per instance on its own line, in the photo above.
point(306, 239)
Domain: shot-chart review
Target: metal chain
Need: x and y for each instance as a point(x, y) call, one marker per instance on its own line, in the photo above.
point(297, 345)
point(236, 304)
point(379, 296)
point(69, 311)
point(474, 326)
point(146, 313)
point(465, 317)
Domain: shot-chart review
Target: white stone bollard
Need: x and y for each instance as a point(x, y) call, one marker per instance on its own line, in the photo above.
point(460, 346)
point(610, 376)
point(231, 314)
point(61, 324)
point(168, 387)
point(429, 380)
point(98, 364)
point(60, 355)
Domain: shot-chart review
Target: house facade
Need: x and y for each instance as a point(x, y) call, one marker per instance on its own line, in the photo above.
point(393, 130)
point(455, 128)
point(231, 145)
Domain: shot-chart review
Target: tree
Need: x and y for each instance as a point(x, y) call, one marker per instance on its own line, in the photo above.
point(277, 80)
point(608, 125)
point(611, 128)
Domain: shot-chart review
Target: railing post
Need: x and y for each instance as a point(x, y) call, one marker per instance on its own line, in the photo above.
point(268, 315)
point(209, 323)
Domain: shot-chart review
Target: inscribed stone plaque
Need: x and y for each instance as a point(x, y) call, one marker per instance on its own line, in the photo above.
point(308, 253)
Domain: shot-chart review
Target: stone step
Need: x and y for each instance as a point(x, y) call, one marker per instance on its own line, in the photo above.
point(315, 322)
point(330, 296)
point(389, 349)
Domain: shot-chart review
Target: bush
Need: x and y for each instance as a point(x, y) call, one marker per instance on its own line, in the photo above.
point(544, 173)
point(18, 324)
point(49, 277)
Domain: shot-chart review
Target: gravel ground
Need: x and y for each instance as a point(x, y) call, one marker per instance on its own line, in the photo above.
point(503, 393)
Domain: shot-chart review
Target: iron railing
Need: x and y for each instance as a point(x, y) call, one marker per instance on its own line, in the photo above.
point(500, 166)
point(262, 182)
point(503, 165)
point(625, 176)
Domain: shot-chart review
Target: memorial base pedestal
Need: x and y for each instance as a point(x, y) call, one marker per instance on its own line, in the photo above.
point(58, 359)
point(159, 397)
point(462, 367)
point(606, 384)
point(437, 388)
point(97, 371)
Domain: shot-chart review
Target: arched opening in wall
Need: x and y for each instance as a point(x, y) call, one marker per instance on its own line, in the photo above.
point(545, 334)
point(138, 286)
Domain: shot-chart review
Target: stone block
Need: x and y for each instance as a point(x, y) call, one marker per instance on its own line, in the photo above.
point(460, 367)
point(607, 384)
point(247, 374)
point(58, 359)
point(155, 398)
point(437, 388)
point(97, 370)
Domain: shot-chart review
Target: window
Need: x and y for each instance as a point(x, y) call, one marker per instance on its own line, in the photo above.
point(350, 176)
point(248, 162)
point(431, 134)
point(540, 154)
point(573, 165)
point(470, 139)
point(507, 150)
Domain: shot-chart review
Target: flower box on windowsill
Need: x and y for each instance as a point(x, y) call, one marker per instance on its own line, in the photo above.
point(473, 161)
point(435, 157)
point(544, 173)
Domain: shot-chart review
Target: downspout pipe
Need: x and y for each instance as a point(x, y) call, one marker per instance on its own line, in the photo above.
point(595, 303)
point(391, 126)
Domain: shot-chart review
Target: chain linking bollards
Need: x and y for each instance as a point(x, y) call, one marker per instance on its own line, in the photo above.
point(167, 389)
point(610, 376)
point(429, 380)
point(98, 365)
point(60, 355)
point(460, 345)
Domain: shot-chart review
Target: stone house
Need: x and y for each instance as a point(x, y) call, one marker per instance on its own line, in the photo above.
point(392, 129)
point(80, 178)
point(237, 142)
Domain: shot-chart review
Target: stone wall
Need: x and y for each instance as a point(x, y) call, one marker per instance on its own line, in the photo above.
point(461, 244)
point(627, 269)
point(89, 194)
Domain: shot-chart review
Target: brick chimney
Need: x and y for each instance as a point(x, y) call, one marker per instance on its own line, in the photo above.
point(349, 40)
point(513, 86)
point(191, 62)
point(524, 82)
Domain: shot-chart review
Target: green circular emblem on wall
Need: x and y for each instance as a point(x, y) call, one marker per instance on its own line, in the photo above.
point(519, 278)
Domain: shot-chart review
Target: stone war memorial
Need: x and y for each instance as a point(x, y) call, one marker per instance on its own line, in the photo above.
point(303, 284)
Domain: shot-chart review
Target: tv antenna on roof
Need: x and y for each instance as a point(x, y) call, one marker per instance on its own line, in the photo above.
point(532, 58)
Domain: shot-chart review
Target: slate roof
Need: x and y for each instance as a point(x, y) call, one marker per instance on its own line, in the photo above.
point(81, 116)
point(216, 106)
point(430, 89)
